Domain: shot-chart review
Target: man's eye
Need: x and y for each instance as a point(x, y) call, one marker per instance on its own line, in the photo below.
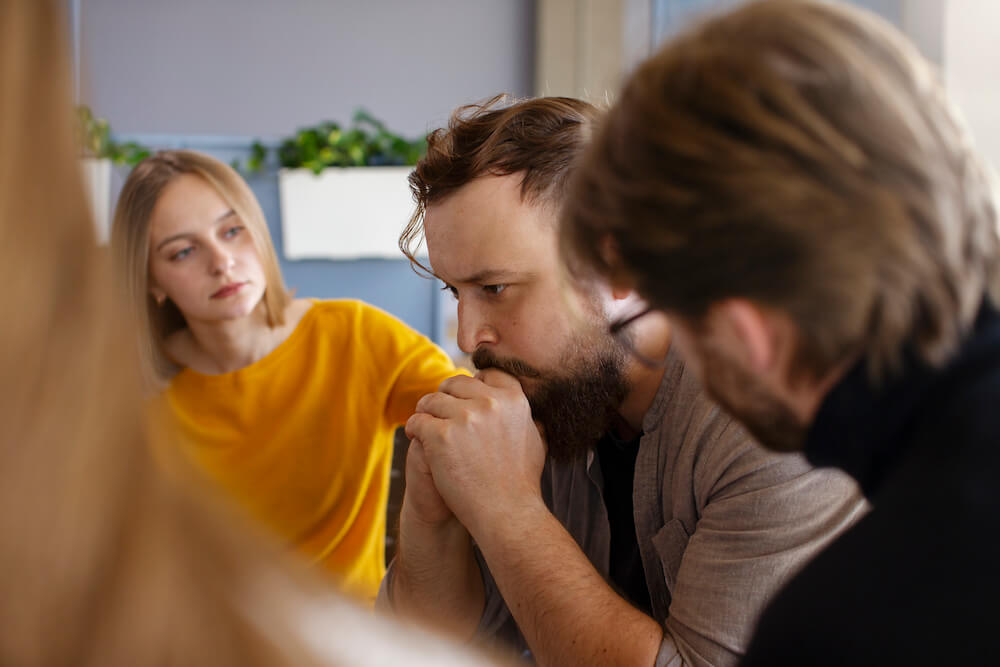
point(181, 254)
point(494, 289)
point(451, 290)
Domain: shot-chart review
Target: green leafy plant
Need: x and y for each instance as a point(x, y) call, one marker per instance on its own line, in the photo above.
point(94, 139)
point(256, 161)
point(366, 143)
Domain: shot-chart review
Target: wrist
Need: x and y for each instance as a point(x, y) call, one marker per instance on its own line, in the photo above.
point(436, 578)
point(503, 523)
point(421, 542)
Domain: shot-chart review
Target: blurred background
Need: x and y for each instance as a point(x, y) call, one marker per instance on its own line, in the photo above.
point(219, 75)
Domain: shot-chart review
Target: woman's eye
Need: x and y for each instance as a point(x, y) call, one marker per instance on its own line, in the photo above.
point(494, 289)
point(233, 231)
point(451, 290)
point(181, 254)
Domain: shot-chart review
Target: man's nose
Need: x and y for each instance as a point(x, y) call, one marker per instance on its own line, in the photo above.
point(474, 328)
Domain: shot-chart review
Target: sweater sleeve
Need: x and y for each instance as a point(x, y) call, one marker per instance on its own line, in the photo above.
point(407, 362)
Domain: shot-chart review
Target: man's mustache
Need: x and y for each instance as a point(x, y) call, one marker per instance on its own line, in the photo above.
point(483, 358)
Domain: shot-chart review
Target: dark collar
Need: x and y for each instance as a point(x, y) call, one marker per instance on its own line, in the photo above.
point(866, 430)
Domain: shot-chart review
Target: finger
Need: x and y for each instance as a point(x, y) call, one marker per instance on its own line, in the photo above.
point(415, 456)
point(440, 405)
point(423, 427)
point(462, 386)
point(494, 377)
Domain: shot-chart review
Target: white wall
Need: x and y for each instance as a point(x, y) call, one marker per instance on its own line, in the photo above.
point(266, 67)
point(972, 68)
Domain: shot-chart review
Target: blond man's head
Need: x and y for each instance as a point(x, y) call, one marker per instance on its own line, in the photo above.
point(802, 156)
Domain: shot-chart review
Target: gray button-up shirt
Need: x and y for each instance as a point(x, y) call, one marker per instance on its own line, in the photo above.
point(722, 523)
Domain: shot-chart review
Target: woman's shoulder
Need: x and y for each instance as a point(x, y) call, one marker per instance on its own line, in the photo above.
point(354, 307)
point(350, 311)
point(296, 311)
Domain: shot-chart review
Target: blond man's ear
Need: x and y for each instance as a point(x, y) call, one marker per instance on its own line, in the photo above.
point(751, 329)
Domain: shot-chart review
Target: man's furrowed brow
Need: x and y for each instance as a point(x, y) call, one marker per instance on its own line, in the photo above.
point(489, 276)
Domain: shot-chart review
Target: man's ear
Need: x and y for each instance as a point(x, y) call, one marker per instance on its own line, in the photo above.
point(621, 292)
point(622, 283)
point(754, 329)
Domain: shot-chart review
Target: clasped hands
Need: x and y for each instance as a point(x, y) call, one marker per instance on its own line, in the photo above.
point(475, 452)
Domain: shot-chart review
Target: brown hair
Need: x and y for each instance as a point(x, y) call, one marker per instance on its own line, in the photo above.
point(801, 155)
point(130, 243)
point(541, 138)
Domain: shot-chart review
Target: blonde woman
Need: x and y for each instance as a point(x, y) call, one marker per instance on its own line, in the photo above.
point(290, 405)
point(104, 560)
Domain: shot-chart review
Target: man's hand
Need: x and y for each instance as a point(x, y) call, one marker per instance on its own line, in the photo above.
point(485, 457)
point(425, 503)
point(437, 579)
point(481, 446)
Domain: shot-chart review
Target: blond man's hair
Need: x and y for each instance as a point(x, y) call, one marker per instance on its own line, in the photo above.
point(801, 155)
point(130, 241)
point(104, 559)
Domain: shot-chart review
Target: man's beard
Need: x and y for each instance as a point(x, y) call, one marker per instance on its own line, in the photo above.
point(746, 398)
point(575, 405)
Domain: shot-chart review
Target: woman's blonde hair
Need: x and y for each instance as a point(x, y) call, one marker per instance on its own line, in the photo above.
point(130, 245)
point(104, 560)
point(802, 155)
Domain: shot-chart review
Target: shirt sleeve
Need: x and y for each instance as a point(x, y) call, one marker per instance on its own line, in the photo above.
point(406, 360)
point(762, 516)
point(497, 628)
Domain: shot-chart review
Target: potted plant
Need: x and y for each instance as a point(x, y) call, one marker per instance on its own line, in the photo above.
point(344, 191)
point(98, 151)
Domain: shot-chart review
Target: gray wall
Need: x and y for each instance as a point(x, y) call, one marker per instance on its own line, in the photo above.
point(214, 74)
point(265, 67)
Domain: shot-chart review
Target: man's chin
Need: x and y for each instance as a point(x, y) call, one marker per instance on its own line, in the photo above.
point(575, 414)
point(574, 404)
point(529, 385)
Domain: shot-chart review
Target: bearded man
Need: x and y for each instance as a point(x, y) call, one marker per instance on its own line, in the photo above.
point(580, 498)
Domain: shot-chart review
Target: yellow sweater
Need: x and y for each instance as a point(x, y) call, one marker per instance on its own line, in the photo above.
point(303, 437)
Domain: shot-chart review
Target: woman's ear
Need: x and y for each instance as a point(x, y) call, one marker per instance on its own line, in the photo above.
point(159, 296)
point(753, 330)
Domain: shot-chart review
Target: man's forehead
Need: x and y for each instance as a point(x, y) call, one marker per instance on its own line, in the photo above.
point(483, 258)
point(484, 233)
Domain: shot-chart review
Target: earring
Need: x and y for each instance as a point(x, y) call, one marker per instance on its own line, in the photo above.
point(160, 300)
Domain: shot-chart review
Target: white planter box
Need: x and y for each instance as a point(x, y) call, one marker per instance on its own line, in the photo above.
point(344, 212)
point(97, 184)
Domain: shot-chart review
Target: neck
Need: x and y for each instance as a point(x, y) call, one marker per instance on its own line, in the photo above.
point(230, 345)
point(652, 340)
point(805, 395)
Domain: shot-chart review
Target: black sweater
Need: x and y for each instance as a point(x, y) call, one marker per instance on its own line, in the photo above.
point(917, 581)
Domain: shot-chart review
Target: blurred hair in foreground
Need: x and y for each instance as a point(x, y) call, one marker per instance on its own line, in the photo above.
point(803, 156)
point(104, 558)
